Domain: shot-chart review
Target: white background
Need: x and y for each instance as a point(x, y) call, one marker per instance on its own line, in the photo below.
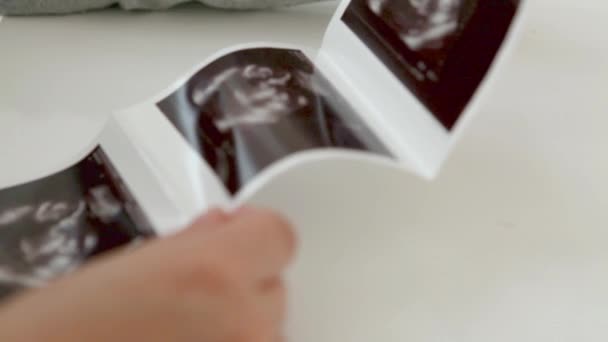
point(508, 244)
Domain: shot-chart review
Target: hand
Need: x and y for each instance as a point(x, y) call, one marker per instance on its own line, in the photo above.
point(218, 281)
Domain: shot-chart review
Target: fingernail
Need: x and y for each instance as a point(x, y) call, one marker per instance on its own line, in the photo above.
point(243, 210)
point(214, 215)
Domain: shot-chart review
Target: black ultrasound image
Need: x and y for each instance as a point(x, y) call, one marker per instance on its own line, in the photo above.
point(51, 226)
point(439, 49)
point(253, 107)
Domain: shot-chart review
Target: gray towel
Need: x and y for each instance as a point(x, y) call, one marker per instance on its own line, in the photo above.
point(25, 7)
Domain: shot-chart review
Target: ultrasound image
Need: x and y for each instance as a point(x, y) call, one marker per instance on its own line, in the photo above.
point(440, 49)
point(49, 227)
point(253, 107)
point(421, 25)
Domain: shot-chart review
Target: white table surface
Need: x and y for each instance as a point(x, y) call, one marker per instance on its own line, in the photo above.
point(508, 244)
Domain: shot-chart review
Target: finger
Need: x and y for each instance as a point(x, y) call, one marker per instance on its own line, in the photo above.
point(273, 291)
point(213, 216)
point(272, 307)
point(259, 243)
point(207, 222)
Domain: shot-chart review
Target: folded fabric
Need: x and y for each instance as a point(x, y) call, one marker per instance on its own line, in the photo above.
point(25, 7)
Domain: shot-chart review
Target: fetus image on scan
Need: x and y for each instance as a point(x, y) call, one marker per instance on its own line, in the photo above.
point(49, 227)
point(440, 50)
point(425, 28)
point(421, 24)
point(253, 107)
point(58, 246)
point(258, 95)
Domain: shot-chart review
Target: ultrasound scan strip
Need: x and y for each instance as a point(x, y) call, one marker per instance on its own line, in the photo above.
point(254, 107)
point(49, 227)
point(439, 49)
